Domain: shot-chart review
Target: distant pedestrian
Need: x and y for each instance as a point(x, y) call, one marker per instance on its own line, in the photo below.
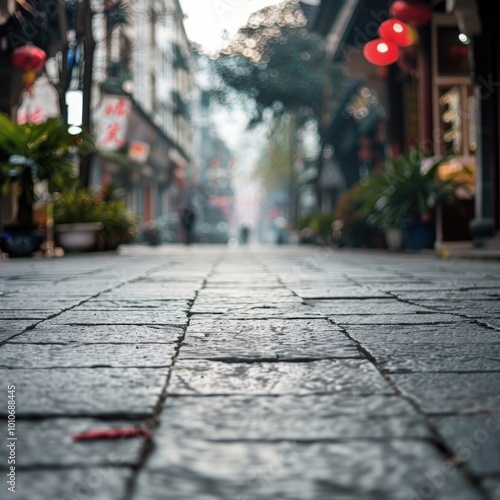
point(244, 234)
point(187, 213)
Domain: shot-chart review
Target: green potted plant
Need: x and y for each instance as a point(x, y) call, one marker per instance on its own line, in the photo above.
point(29, 154)
point(406, 195)
point(90, 219)
point(350, 225)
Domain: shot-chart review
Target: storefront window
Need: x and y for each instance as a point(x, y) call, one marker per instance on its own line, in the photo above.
point(453, 55)
point(450, 119)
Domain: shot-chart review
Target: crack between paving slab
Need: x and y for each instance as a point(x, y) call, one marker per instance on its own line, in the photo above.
point(436, 440)
point(460, 315)
point(154, 418)
point(83, 301)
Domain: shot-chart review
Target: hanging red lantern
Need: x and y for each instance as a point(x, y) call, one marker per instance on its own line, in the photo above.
point(397, 32)
point(28, 58)
point(414, 14)
point(381, 52)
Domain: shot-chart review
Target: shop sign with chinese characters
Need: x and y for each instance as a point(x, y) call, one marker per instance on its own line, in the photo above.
point(113, 115)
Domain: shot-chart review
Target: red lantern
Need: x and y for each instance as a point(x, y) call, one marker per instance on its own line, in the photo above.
point(415, 14)
point(28, 58)
point(397, 32)
point(381, 52)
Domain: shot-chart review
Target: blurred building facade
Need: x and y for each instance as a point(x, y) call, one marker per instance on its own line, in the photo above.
point(141, 83)
point(144, 92)
point(440, 95)
point(211, 171)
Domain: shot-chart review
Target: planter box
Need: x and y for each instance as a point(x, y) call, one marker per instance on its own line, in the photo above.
point(78, 237)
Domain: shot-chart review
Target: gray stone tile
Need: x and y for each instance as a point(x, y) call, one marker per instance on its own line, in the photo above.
point(438, 393)
point(369, 306)
point(395, 319)
point(492, 322)
point(471, 309)
point(138, 293)
point(240, 295)
point(129, 317)
point(244, 279)
point(130, 306)
point(343, 376)
point(266, 286)
point(432, 357)
point(301, 328)
point(35, 303)
point(27, 314)
point(475, 439)
point(354, 470)
point(100, 334)
point(95, 482)
point(225, 304)
point(133, 392)
point(88, 356)
point(261, 310)
point(492, 487)
point(463, 333)
point(448, 295)
point(49, 443)
point(285, 344)
point(327, 292)
point(279, 418)
point(10, 328)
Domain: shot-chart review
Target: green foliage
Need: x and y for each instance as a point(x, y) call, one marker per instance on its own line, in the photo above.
point(274, 61)
point(274, 168)
point(48, 147)
point(351, 226)
point(319, 223)
point(37, 152)
point(407, 190)
point(107, 206)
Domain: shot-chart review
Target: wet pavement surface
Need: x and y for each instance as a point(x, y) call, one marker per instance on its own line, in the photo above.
point(294, 373)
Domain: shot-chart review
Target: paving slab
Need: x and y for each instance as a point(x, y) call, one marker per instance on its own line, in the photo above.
point(305, 328)
point(261, 310)
point(11, 328)
point(289, 343)
point(463, 333)
point(138, 293)
point(363, 470)
point(346, 376)
point(362, 307)
point(395, 319)
point(97, 483)
point(100, 304)
point(100, 334)
point(438, 393)
point(110, 392)
point(28, 314)
point(327, 292)
point(473, 309)
point(128, 317)
point(86, 356)
point(49, 443)
point(421, 357)
point(474, 439)
point(281, 418)
point(492, 487)
point(17, 303)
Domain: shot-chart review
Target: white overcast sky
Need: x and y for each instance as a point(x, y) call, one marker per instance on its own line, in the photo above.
point(207, 21)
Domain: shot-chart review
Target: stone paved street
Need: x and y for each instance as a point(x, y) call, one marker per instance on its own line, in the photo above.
point(293, 373)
